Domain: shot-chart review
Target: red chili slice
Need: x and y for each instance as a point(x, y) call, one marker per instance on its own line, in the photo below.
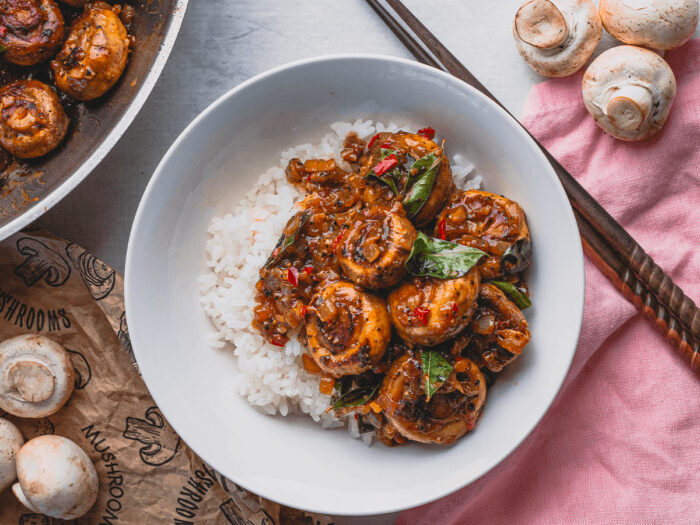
point(428, 132)
point(385, 165)
point(442, 229)
point(279, 340)
point(337, 240)
point(293, 276)
point(372, 141)
point(308, 269)
point(386, 145)
point(303, 311)
point(422, 314)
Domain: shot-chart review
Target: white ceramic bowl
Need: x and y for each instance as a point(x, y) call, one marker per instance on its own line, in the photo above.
point(205, 172)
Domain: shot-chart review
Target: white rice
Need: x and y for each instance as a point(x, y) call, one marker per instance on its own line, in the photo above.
point(270, 378)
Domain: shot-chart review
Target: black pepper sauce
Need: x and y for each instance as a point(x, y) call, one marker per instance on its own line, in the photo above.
point(333, 198)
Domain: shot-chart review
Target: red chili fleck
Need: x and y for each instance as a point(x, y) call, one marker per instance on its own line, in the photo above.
point(308, 269)
point(372, 141)
point(275, 252)
point(357, 418)
point(292, 276)
point(428, 132)
point(422, 314)
point(308, 177)
point(303, 311)
point(454, 308)
point(386, 145)
point(278, 340)
point(442, 229)
point(385, 165)
point(337, 240)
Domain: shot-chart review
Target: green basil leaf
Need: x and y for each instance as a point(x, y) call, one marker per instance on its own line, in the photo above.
point(356, 397)
point(441, 259)
point(287, 239)
point(387, 178)
point(516, 295)
point(423, 172)
point(436, 370)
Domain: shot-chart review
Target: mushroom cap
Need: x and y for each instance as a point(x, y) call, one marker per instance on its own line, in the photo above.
point(659, 24)
point(11, 441)
point(557, 37)
point(629, 91)
point(56, 478)
point(36, 376)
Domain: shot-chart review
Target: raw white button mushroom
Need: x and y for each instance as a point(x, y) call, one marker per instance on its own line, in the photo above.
point(36, 376)
point(11, 441)
point(659, 24)
point(629, 90)
point(557, 37)
point(56, 478)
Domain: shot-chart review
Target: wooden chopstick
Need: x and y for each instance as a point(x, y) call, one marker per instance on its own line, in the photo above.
point(607, 243)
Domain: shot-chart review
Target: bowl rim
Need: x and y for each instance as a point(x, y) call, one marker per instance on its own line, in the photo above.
point(577, 306)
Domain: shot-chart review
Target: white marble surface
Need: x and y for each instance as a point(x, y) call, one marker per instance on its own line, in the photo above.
point(223, 42)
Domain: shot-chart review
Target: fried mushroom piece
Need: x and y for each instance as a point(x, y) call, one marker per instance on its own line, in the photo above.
point(428, 311)
point(32, 120)
point(30, 30)
point(94, 55)
point(450, 413)
point(500, 331)
point(491, 223)
point(346, 329)
point(414, 146)
point(374, 251)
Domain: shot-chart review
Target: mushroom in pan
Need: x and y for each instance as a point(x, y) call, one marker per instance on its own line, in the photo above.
point(658, 24)
point(36, 376)
point(32, 119)
point(94, 55)
point(32, 30)
point(347, 330)
point(373, 254)
point(629, 91)
point(11, 441)
point(56, 478)
point(557, 37)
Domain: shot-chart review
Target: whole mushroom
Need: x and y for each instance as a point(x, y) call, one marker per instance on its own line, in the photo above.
point(629, 91)
point(36, 376)
point(557, 37)
point(56, 478)
point(659, 24)
point(11, 441)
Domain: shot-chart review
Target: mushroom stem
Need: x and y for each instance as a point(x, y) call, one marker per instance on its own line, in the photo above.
point(541, 24)
point(17, 491)
point(31, 381)
point(629, 106)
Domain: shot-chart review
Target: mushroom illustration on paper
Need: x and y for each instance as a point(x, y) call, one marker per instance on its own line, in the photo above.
point(37, 519)
point(41, 262)
point(160, 441)
point(97, 275)
point(124, 338)
point(81, 367)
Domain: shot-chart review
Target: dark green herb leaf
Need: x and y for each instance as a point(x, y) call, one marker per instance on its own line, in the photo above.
point(517, 296)
point(388, 178)
point(441, 259)
point(423, 172)
point(356, 397)
point(2, 48)
point(436, 370)
point(287, 239)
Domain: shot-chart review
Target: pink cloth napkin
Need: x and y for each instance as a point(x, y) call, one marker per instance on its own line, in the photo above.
point(621, 441)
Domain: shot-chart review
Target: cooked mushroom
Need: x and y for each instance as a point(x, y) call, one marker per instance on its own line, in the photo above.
point(93, 57)
point(374, 252)
point(629, 91)
point(32, 119)
point(11, 441)
point(31, 32)
point(557, 37)
point(56, 478)
point(659, 24)
point(36, 376)
point(347, 330)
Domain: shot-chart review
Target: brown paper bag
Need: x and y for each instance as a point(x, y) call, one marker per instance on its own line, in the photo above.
point(147, 474)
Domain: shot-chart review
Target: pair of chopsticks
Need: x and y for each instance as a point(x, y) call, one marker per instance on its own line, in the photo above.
point(605, 242)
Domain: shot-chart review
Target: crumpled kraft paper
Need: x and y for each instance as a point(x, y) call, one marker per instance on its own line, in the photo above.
point(147, 474)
